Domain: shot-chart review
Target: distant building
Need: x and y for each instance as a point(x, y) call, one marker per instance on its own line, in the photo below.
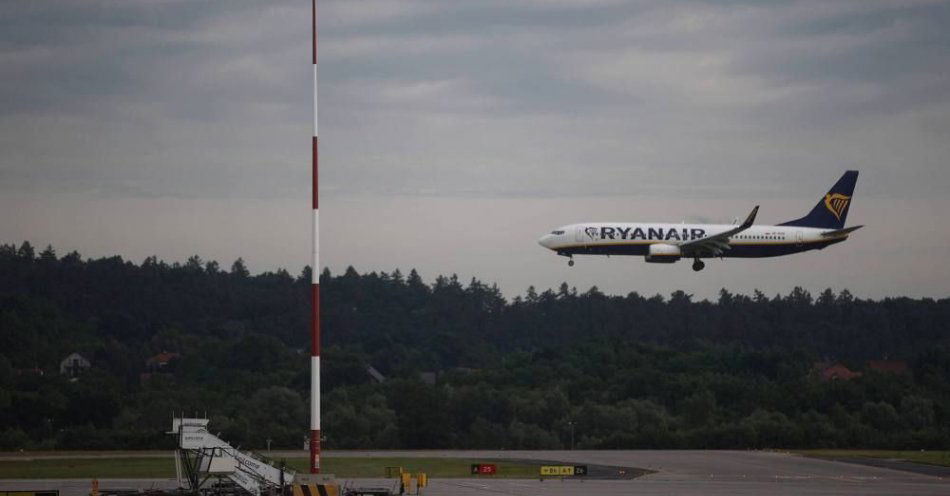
point(73, 365)
point(160, 360)
point(833, 371)
point(898, 367)
point(428, 377)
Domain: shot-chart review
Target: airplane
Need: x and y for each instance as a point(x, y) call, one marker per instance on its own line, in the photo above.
point(667, 243)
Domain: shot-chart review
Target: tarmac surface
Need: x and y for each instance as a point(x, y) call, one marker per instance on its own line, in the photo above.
point(687, 472)
point(920, 468)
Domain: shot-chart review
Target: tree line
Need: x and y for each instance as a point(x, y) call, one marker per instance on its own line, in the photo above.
point(447, 364)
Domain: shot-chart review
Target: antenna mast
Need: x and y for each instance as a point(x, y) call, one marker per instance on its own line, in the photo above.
point(315, 285)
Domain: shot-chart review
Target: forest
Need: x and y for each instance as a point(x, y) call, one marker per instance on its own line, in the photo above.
point(454, 364)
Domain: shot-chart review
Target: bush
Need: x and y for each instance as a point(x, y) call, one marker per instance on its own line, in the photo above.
point(13, 440)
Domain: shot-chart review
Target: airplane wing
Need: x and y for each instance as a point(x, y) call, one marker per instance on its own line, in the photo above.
point(714, 245)
point(840, 232)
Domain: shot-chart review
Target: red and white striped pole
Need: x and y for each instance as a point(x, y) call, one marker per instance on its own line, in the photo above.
point(315, 285)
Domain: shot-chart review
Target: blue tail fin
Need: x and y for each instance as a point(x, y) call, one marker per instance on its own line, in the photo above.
point(832, 210)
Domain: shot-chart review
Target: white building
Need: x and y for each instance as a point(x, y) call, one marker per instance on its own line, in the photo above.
point(73, 365)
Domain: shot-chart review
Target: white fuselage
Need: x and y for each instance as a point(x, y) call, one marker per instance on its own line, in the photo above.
point(635, 238)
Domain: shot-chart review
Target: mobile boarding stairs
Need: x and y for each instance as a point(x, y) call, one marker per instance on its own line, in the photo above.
point(201, 456)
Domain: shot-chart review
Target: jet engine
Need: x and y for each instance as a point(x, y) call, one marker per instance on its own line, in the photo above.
point(663, 253)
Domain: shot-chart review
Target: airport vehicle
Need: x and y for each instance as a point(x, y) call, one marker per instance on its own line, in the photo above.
point(667, 243)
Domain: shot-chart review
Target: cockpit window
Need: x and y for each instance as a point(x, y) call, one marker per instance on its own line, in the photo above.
point(557, 233)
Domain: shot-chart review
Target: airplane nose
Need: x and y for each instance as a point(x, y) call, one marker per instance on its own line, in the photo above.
point(545, 241)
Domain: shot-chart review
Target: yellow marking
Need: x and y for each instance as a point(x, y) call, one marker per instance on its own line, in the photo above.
point(549, 469)
point(836, 203)
point(557, 470)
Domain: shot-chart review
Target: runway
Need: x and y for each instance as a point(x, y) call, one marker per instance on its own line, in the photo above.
point(685, 473)
point(691, 472)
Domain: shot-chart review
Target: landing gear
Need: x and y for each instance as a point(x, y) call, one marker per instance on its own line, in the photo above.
point(698, 265)
point(570, 258)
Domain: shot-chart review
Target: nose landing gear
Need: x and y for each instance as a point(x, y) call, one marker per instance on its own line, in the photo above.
point(698, 265)
point(570, 258)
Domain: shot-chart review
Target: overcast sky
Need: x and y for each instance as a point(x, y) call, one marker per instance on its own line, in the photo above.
point(454, 133)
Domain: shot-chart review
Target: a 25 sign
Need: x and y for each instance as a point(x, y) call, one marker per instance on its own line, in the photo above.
point(484, 469)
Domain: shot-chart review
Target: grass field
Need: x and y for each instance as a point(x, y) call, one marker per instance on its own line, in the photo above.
point(928, 457)
point(69, 468)
point(164, 467)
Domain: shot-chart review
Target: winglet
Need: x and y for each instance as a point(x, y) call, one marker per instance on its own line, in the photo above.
point(718, 242)
point(751, 218)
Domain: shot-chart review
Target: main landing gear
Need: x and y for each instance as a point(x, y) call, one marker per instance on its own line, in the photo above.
point(698, 265)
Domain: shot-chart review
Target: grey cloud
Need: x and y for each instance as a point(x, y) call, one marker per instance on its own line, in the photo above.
point(170, 98)
point(715, 78)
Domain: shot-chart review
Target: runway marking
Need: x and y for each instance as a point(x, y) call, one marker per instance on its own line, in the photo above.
point(471, 484)
point(483, 487)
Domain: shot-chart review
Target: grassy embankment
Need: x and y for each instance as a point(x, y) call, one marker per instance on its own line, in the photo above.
point(928, 457)
point(147, 467)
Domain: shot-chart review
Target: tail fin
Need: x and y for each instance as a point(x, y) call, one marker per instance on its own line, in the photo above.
point(832, 210)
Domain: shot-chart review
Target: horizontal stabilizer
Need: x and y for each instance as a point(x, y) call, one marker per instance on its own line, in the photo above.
point(841, 232)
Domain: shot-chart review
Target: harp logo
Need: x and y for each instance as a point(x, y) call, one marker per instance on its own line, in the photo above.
point(837, 203)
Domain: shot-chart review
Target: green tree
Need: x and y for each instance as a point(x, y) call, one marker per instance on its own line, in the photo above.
point(238, 268)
